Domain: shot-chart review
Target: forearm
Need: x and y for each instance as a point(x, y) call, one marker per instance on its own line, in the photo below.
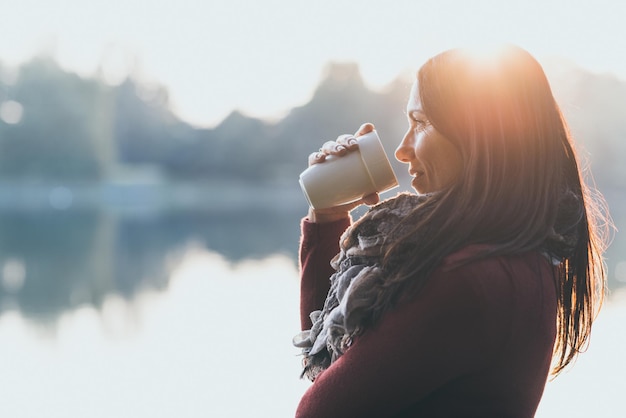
point(319, 244)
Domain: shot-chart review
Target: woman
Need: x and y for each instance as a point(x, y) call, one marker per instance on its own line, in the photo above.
point(458, 300)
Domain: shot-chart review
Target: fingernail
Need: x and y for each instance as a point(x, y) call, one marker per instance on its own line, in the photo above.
point(340, 148)
point(352, 141)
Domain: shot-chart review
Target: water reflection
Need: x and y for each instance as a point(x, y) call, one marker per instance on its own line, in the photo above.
point(53, 261)
point(222, 331)
point(48, 258)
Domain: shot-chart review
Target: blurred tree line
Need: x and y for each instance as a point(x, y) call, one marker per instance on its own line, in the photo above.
point(76, 128)
point(56, 133)
point(72, 128)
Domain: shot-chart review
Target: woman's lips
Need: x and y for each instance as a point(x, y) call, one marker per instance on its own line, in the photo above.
point(416, 173)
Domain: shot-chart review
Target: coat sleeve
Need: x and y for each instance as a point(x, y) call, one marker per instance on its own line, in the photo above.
point(318, 245)
point(416, 348)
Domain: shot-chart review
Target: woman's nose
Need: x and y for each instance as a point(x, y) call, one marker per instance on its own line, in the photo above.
point(405, 149)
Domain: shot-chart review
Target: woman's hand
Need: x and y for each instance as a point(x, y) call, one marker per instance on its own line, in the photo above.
point(343, 145)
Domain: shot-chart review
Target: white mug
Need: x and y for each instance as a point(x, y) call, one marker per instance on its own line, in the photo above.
point(345, 179)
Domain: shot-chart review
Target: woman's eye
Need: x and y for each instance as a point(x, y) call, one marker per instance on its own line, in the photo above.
point(417, 121)
point(420, 123)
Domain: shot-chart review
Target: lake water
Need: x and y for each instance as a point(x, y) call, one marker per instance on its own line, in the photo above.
point(189, 315)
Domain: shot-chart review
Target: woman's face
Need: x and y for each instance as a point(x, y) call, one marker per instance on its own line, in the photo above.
point(434, 162)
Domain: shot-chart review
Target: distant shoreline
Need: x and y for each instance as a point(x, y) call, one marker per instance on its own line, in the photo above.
point(156, 195)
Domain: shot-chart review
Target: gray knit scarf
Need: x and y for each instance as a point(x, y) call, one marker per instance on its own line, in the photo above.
point(354, 284)
point(359, 276)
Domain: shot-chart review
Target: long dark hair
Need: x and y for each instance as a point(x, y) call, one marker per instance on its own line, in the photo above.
point(520, 185)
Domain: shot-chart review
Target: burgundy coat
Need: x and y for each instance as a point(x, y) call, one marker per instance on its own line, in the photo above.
point(477, 341)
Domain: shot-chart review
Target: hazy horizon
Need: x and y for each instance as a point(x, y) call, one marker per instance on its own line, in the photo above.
point(266, 57)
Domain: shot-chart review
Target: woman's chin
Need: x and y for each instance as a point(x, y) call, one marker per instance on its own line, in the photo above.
point(418, 185)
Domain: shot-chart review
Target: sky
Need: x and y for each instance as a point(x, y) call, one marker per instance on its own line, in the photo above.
point(263, 57)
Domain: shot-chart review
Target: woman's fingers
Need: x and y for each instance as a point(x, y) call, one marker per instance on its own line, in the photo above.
point(371, 199)
point(348, 141)
point(316, 157)
point(365, 129)
point(341, 146)
point(342, 211)
point(338, 148)
point(333, 148)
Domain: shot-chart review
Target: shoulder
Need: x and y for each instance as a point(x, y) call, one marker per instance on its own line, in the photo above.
point(484, 299)
point(475, 261)
point(491, 284)
point(494, 284)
